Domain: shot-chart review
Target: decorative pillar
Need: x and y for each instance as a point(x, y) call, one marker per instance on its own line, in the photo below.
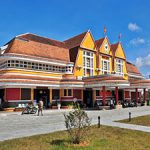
point(60, 94)
point(104, 95)
point(140, 96)
point(32, 94)
point(82, 94)
point(50, 95)
point(116, 93)
point(130, 95)
point(144, 95)
point(94, 96)
point(20, 95)
point(136, 90)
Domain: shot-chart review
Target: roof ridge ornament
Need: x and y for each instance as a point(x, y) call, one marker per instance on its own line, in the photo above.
point(105, 30)
point(119, 37)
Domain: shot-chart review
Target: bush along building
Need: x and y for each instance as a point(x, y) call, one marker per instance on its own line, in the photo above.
point(34, 67)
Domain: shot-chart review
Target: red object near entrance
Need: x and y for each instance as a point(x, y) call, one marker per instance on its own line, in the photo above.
point(104, 95)
point(13, 94)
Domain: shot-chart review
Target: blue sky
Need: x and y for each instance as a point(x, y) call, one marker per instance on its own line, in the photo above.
point(61, 19)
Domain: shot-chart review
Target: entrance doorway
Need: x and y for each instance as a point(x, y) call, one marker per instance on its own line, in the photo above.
point(1, 97)
point(44, 94)
point(87, 97)
point(120, 95)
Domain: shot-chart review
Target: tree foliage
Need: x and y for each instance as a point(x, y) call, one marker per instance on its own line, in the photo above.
point(77, 123)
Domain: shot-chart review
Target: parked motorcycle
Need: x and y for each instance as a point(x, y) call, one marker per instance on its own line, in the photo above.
point(98, 104)
point(125, 104)
point(29, 110)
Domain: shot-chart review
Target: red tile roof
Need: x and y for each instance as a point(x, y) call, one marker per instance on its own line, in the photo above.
point(39, 49)
point(34, 45)
point(75, 41)
point(39, 39)
point(37, 46)
point(104, 78)
point(143, 83)
point(99, 42)
point(114, 48)
point(131, 68)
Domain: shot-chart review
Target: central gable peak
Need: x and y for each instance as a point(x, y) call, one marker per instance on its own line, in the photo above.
point(118, 50)
point(104, 46)
point(88, 41)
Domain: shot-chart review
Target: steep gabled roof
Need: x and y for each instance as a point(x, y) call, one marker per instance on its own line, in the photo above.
point(99, 42)
point(114, 48)
point(44, 40)
point(75, 41)
point(131, 68)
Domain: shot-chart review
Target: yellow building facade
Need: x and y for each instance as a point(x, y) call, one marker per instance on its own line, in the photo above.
point(78, 69)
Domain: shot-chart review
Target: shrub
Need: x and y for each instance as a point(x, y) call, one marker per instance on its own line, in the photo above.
point(77, 123)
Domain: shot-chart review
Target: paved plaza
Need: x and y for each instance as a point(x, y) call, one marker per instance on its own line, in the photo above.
point(15, 125)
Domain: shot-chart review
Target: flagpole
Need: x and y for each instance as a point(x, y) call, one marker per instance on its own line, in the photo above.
point(105, 30)
point(119, 37)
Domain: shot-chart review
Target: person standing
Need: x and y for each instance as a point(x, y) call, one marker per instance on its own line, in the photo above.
point(40, 107)
point(111, 104)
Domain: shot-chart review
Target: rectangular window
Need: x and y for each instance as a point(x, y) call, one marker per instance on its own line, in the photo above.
point(105, 66)
point(119, 66)
point(21, 64)
point(40, 66)
point(69, 92)
point(25, 64)
point(55, 94)
point(87, 63)
point(25, 94)
point(35, 66)
point(65, 92)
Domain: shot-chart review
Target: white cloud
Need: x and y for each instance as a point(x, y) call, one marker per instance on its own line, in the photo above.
point(139, 62)
point(137, 41)
point(133, 27)
point(143, 61)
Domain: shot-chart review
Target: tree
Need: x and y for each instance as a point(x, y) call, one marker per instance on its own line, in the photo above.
point(77, 123)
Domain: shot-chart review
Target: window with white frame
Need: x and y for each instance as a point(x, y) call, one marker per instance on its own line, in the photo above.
point(35, 66)
point(105, 66)
point(119, 66)
point(87, 63)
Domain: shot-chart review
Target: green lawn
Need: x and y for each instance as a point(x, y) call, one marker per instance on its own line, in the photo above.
point(104, 138)
point(142, 120)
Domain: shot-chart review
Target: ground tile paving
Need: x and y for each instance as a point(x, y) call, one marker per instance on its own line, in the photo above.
point(15, 125)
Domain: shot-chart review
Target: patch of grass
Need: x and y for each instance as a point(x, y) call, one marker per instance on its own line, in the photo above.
point(103, 138)
point(142, 120)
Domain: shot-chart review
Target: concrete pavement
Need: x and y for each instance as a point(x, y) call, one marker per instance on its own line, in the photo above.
point(15, 125)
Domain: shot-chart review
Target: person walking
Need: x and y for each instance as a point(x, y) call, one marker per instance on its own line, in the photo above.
point(40, 107)
point(111, 104)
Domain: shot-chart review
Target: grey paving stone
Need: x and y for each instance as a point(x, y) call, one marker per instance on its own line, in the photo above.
point(15, 125)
